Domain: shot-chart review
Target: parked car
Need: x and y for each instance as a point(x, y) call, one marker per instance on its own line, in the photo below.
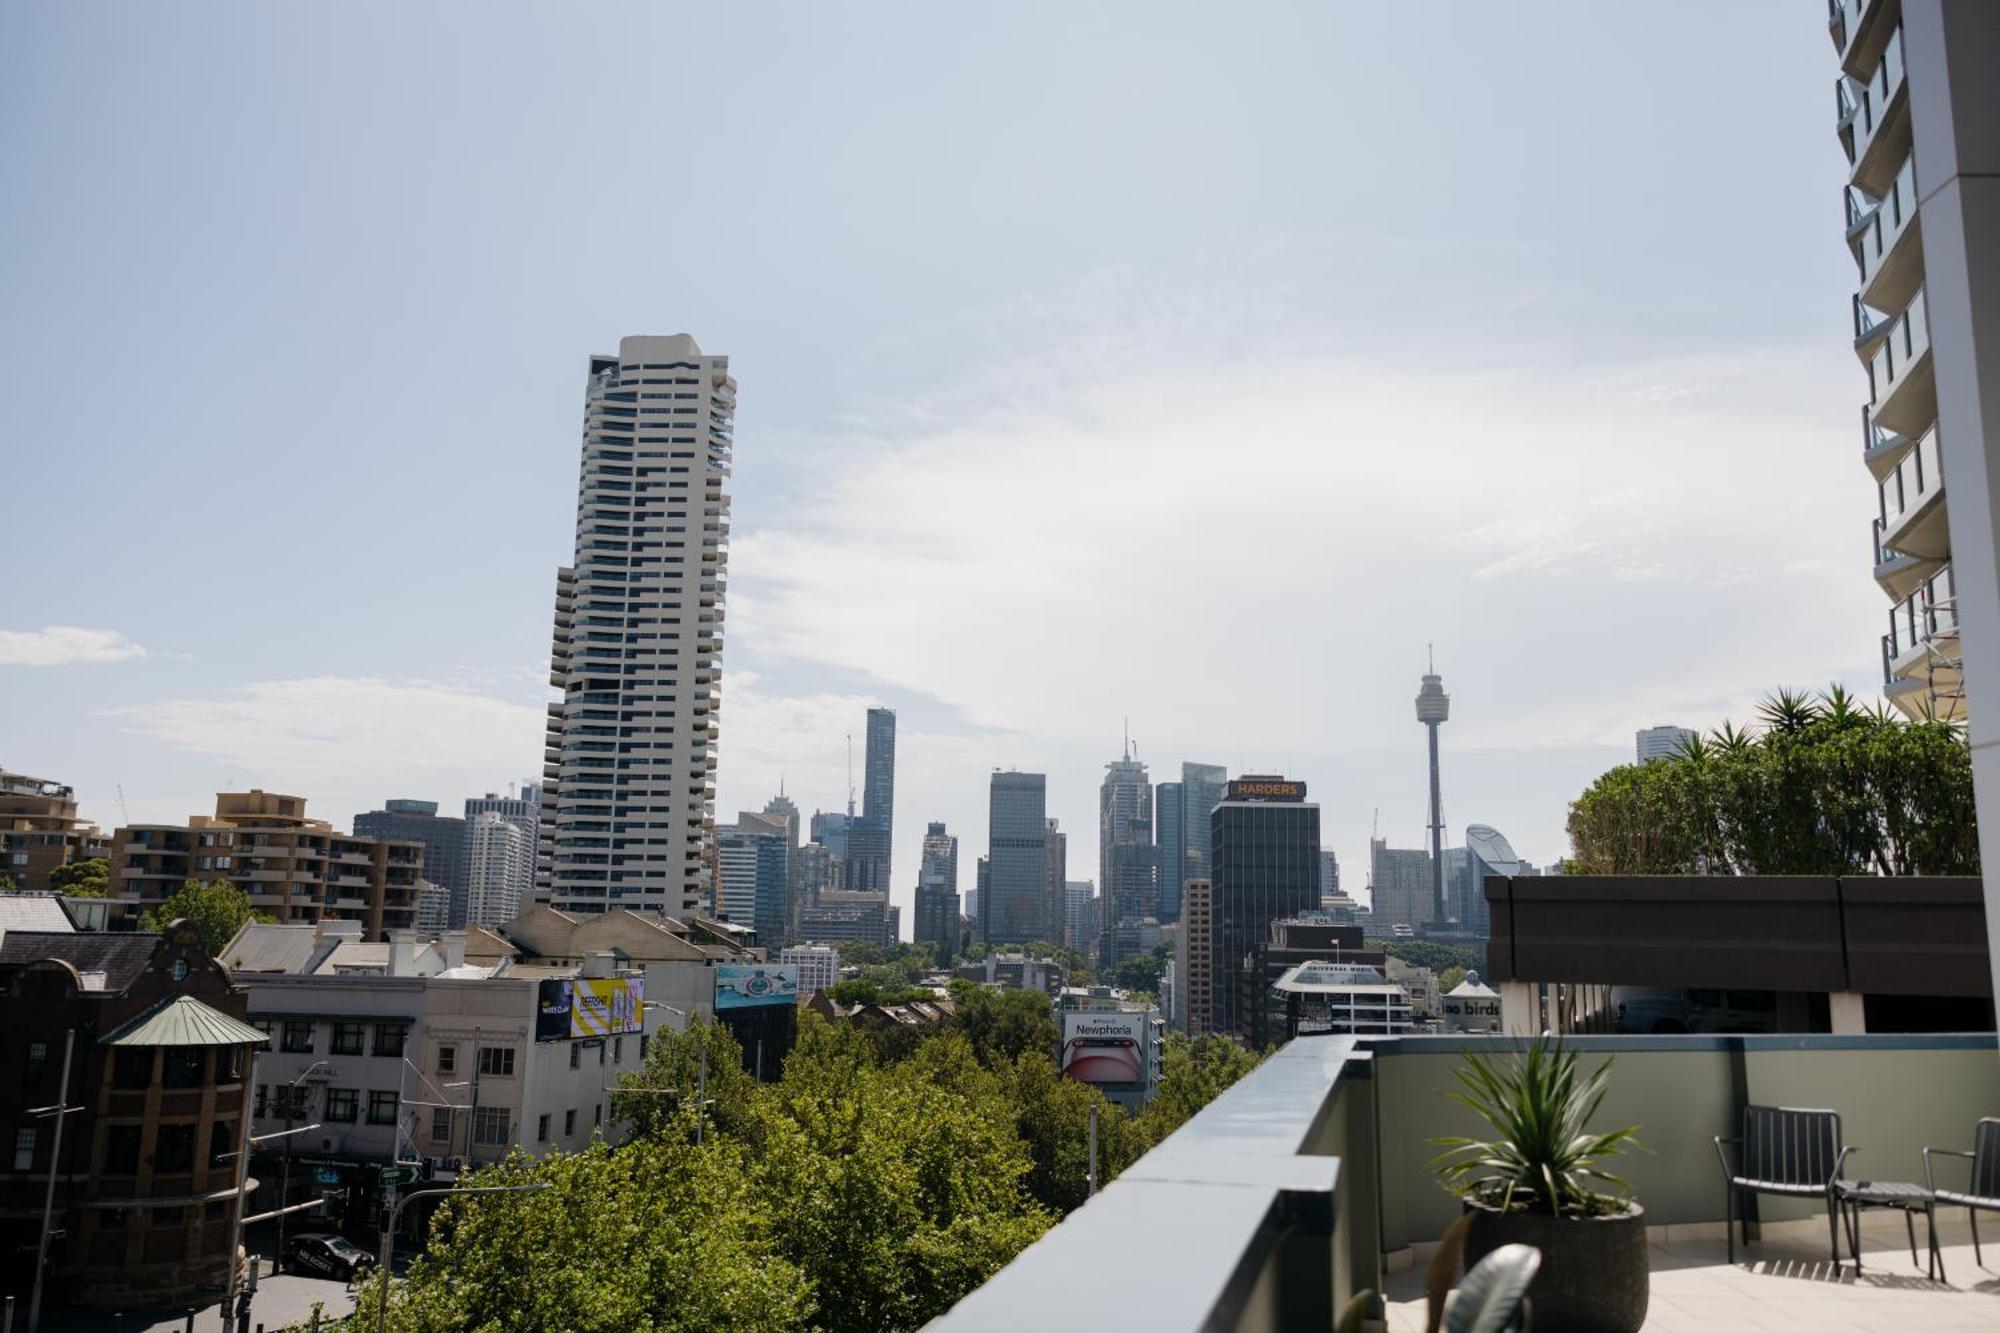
point(321, 1254)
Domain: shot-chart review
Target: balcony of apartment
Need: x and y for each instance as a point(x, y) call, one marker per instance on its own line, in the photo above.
point(1873, 110)
point(1857, 28)
point(1902, 397)
point(1913, 528)
point(1922, 662)
point(1887, 240)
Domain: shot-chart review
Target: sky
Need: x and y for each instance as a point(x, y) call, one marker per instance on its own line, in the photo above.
point(1124, 365)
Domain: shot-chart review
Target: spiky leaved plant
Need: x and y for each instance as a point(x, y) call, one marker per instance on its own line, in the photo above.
point(1542, 1158)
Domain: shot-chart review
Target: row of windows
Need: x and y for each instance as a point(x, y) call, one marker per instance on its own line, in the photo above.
point(300, 1036)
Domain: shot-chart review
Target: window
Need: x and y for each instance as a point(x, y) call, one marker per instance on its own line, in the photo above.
point(489, 1126)
point(121, 1150)
point(291, 1103)
point(167, 1217)
point(447, 1059)
point(441, 1124)
point(173, 1151)
point(132, 1067)
point(38, 1058)
point(183, 1066)
point(298, 1038)
point(569, 1124)
point(347, 1038)
point(263, 1097)
point(24, 1148)
point(342, 1104)
point(389, 1038)
point(222, 1145)
point(382, 1108)
point(597, 1114)
point(496, 1061)
point(575, 1055)
point(617, 1050)
point(542, 1129)
point(600, 1055)
point(644, 1041)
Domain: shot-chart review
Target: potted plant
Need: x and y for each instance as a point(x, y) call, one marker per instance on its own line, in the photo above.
point(1539, 1181)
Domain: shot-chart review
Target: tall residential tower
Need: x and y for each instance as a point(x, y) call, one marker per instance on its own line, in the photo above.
point(637, 654)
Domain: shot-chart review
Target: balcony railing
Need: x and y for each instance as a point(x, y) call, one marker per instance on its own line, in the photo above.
point(1306, 1182)
point(1918, 476)
point(1863, 106)
point(1921, 621)
point(1897, 351)
point(1874, 228)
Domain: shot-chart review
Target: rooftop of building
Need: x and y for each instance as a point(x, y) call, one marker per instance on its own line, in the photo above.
point(105, 961)
point(33, 912)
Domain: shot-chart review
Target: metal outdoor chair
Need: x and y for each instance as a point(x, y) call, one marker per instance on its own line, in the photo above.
point(1983, 1190)
point(1493, 1297)
point(1787, 1151)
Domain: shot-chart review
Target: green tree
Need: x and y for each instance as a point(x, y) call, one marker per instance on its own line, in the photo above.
point(90, 878)
point(658, 1235)
point(1192, 1074)
point(1052, 1115)
point(663, 1093)
point(1002, 1024)
point(217, 910)
point(1141, 972)
point(1435, 955)
point(1825, 787)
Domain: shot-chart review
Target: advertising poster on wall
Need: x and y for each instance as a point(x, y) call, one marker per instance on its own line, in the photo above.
point(1106, 1048)
point(750, 985)
point(583, 1007)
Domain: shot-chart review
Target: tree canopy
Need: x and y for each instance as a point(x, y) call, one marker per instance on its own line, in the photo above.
point(89, 878)
point(217, 910)
point(868, 1188)
point(1821, 787)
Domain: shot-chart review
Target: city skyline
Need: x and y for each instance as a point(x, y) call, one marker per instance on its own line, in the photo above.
point(896, 406)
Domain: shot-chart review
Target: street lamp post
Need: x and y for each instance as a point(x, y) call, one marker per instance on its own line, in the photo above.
point(389, 1231)
point(285, 1188)
point(60, 1110)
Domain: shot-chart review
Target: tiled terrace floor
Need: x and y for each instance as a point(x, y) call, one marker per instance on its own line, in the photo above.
point(1790, 1284)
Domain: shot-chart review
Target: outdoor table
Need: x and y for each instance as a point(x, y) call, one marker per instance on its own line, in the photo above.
point(1855, 1196)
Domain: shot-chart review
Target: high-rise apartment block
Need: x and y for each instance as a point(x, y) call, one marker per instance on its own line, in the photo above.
point(1013, 895)
point(293, 867)
point(1661, 742)
point(1055, 878)
point(40, 832)
point(499, 868)
point(443, 837)
point(1919, 122)
point(1264, 837)
point(1169, 850)
point(637, 651)
point(755, 888)
point(1329, 876)
point(1194, 961)
point(870, 839)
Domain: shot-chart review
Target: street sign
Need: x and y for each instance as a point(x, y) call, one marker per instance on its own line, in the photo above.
point(401, 1175)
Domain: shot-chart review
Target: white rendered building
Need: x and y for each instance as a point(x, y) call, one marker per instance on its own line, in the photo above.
point(628, 796)
point(499, 868)
point(1662, 742)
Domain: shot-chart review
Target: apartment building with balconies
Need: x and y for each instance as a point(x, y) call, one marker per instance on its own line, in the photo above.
point(40, 832)
point(1910, 134)
point(296, 868)
point(628, 796)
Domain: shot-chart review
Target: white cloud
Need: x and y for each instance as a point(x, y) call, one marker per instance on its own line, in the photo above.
point(348, 743)
point(65, 645)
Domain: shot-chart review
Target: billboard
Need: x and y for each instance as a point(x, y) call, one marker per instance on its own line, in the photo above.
point(749, 985)
point(573, 1008)
point(1104, 1047)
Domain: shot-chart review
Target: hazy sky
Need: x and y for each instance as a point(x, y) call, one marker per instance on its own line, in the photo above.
point(1190, 365)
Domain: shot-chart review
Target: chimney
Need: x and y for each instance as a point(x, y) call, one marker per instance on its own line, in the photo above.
point(402, 954)
point(600, 965)
point(453, 943)
point(327, 928)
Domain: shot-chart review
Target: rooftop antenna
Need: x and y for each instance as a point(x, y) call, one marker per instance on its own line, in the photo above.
point(1128, 740)
point(123, 813)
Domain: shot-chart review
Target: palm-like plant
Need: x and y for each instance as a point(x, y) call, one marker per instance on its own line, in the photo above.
point(1542, 1158)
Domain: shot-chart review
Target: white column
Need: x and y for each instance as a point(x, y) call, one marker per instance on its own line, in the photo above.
point(1844, 1007)
point(1952, 50)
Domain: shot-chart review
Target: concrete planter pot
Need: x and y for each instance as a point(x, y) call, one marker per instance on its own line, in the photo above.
point(1593, 1275)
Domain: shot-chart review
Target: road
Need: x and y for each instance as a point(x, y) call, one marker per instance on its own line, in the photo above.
point(280, 1302)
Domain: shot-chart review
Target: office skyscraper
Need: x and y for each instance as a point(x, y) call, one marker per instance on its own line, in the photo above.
point(1660, 742)
point(1055, 869)
point(1399, 885)
point(1265, 840)
point(1125, 849)
point(871, 834)
point(1201, 792)
point(755, 857)
point(1014, 898)
point(937, 914)
point(443, 837)
point(1329, 876)
point(1079, 915)
point(1169, 848)
point(637, 648)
